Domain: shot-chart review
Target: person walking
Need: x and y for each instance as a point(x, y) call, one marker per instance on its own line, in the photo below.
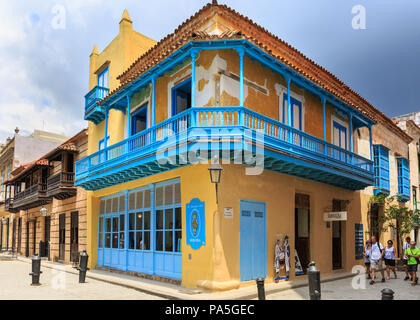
point(406, 245)
point(413, 255)
point(376, 255)
point(390, 254)
point(366, 254)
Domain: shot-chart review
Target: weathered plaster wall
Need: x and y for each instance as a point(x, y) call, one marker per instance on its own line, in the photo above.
point(278, 191)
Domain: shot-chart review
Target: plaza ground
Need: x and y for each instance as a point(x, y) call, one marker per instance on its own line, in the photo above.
point(60, 282)
point(55, 285)
point(343, 290)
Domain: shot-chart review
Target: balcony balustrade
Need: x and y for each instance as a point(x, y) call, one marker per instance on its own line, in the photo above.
point(286, 149)
point(92, 111)
point(61, 185)
point(31, 197)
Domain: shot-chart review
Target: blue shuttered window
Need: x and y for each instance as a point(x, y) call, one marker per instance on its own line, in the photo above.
point(403, 179)
point(381, 158)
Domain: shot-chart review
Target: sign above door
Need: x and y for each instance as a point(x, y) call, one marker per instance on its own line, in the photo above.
point(335, 216)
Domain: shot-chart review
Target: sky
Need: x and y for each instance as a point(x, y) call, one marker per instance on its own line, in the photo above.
point(44, 54)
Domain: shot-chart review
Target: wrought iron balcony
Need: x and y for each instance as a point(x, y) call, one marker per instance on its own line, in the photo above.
point(93, 112)
point(61, 186)
point(31, 197)
point(229, 129)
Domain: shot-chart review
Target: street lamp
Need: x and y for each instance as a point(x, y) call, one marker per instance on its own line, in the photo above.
point(43, 211)
point(215, 173)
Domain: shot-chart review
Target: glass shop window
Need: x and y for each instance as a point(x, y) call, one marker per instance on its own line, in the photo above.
point(168, 218)
point(139, 220)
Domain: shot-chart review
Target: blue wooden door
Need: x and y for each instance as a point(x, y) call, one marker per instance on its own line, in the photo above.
point(253, 248)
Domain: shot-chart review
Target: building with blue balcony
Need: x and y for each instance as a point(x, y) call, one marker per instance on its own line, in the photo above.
point(221, 89)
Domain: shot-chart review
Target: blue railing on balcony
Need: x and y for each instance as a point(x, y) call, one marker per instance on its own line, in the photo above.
point(95, 95)
point(274, 131)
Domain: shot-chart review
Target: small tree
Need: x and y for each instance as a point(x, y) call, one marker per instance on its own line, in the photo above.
point(374, 204)
point(398, 217)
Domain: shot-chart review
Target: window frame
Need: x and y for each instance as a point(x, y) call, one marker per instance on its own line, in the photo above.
point(174, 106)
point(403, 180)
point(164, 208)
point(101, 142)
point(135, 212)
point(381, 166)
point(103, 75)
point(142, 107)
point(294, 102)
point(336, 123)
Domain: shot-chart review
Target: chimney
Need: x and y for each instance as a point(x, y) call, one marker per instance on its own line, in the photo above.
point(92, 67)
point(125, 23)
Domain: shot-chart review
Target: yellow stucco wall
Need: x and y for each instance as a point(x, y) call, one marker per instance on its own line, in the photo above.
point(278, 191)
point(121, 52)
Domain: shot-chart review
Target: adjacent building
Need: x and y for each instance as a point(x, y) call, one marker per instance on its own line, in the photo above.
point(411, 127)
point(17, 151)
point(396, 174)
point(46, 210)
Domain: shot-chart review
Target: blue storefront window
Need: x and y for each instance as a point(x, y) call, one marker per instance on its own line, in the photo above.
point(139, 220)
point(168, 218)
point(403, 179)
point(141, 230)
point(381, 166)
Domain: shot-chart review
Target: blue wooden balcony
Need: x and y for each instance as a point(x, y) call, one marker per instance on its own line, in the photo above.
point(230, 131)
point(93, 112)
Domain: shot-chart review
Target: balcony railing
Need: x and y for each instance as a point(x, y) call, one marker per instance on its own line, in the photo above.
point(95, 95)
point(33, 191)
point(276, 133)
point(62, 179)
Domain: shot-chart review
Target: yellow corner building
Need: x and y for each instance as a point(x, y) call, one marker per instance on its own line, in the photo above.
point(211, 146)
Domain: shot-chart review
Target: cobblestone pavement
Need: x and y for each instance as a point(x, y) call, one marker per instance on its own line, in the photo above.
point(343, 290)
point(57, 285)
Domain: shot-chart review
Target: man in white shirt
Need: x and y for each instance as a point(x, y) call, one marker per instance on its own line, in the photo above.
point(406, 245)
point(376, 255)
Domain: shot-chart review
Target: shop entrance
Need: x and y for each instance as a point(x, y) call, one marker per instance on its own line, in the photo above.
point(14, 235)
point(19, 244)
point(74, 237)
point(253, 251)
point(47, 231)
point(27, 239)
point(302, 229)
point(34, 236)
point(337, 238)
point(61, 236)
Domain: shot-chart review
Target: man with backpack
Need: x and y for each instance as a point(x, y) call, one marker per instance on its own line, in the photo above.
point(376, 255)
point(406, 245)
point(413, 255)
